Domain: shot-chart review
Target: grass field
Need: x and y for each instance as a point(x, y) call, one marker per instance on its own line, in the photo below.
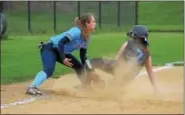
point(160, 15)
point(20, 58)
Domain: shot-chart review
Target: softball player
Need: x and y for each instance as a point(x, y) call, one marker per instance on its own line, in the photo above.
point(59, 49)
point(135, 49)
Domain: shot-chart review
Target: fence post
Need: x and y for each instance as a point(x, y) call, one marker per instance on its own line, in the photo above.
point(136, 12)
point(54, 16)
point(78, 9)
point(100, 14)
point(1, 6)
point(118, 23)
point(29, 16)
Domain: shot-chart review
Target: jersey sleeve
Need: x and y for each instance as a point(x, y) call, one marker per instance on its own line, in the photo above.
point(73, 33)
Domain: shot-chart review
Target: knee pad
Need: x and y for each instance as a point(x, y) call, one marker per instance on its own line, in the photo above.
point(49, 72)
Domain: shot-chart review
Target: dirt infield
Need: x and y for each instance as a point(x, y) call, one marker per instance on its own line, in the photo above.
point(137, 97)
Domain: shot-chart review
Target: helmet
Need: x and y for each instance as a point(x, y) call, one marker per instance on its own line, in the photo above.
point(139, 31)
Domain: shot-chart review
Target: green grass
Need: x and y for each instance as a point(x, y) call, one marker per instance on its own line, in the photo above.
point(161, 15)
point(164, 15)
point(20, 58)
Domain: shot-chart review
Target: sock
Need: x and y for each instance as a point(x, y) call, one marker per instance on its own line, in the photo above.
point(39, 79)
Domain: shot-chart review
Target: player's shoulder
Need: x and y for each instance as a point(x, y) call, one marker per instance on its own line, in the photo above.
point(130, 42)
point(75, 29)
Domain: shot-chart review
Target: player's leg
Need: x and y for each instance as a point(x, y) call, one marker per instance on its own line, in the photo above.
point(106, 65)
point(48, 60)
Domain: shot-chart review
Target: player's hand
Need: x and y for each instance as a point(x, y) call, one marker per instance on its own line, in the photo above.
point(97, 81)
point(92, 76)
point(92, 73)
point(67, 62)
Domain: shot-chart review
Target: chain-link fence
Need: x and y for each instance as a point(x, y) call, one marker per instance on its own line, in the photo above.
point(25, 17)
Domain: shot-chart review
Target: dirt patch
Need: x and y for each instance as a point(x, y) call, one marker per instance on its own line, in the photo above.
point(137, 97)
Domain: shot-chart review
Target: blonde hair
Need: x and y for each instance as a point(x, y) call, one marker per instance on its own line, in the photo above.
point(81, 23)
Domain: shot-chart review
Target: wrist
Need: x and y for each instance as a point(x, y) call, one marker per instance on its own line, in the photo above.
point(62, 58)
point(88, 66)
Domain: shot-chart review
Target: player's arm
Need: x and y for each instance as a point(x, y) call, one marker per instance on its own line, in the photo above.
point(71, 34)
point(83, 55)
point(121, 50)
point(61, 45)
point(148, 66)
point(84, 59)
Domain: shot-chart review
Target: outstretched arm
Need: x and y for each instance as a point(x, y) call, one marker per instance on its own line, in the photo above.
point(150, 72)
point(118, 56)
point(84, 59)
point(83, 55)
point(91, 74)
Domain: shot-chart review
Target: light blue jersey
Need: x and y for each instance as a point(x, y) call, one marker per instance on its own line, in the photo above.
point(76, 40)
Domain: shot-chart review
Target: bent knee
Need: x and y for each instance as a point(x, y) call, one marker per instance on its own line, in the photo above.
point(49, 71)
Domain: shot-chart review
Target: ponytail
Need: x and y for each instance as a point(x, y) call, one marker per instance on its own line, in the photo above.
point(77, 21)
